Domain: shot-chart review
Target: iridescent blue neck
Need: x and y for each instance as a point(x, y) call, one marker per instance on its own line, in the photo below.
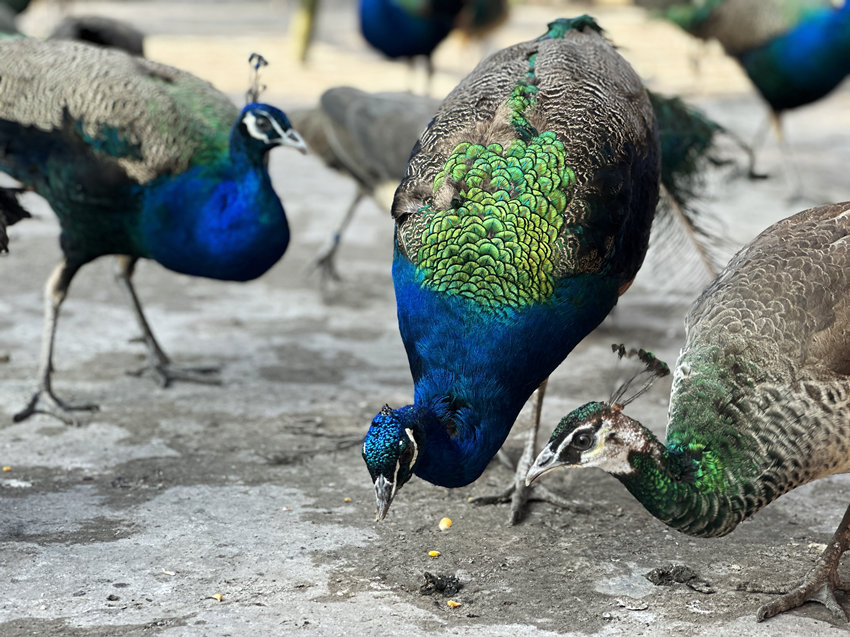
point(473, 369)
point(805, 63)
point(222, 220)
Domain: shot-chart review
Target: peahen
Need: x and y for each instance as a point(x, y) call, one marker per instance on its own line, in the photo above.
point(760, 399)
point(412, 28)
point(794, 51)
point(100, 30)
point(141, 160)
point(367, 136)
point(524, 213)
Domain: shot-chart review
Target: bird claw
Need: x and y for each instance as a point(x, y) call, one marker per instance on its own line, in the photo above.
point(325, 263)
point(44, 401)
point(519, 494)
point(164, 374)
point(818, 586)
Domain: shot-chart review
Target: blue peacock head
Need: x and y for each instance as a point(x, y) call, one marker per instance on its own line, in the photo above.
point(263, 127)
point(390, 451)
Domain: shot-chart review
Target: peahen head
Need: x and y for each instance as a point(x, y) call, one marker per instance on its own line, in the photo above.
point(262, 127)
point(599, 434)
point(594, 435)
point(390, 451)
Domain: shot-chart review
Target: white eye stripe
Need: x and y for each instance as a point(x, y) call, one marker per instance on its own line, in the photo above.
point(254, 131)
point(409, 433)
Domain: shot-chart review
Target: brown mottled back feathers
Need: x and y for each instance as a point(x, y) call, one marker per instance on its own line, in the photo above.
point(170, 117)
point(785, 298)
point(588, 95)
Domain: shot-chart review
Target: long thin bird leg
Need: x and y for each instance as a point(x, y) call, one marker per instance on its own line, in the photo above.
point(44, 401)
point(789, 165)
point(518, 493)
point(325, 262)
point(159, 365)
point(821, 582)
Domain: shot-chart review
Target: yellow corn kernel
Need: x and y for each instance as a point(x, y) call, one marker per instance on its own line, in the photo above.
point(445, 524)
point(217, 597)
point(347, 500)
point(7, 469)
point(452, 603)
point(434, 553)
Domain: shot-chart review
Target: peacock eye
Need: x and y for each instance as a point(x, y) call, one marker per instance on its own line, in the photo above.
point(263, 123)
point(582, 441)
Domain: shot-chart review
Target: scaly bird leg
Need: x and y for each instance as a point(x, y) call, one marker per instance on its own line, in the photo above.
point(821, 582)
point(44, 401)
point(325, 261)
point(518, 493)
point(789, 165)
point(159, 365)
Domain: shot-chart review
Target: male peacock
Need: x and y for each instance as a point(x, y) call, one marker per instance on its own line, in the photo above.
point(411, 28)
point(141, 160)
point(760, 397)
point(794, 51)
point(367, 136)
point(524, 213)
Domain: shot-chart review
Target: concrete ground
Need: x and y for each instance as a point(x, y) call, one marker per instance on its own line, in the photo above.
point(254, 491)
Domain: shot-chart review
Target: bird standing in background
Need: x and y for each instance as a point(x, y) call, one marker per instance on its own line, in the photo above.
point(141, 160)
point(524, 213)
point(794, 51)
point(102, 31)
point(412, 28)
point(760, 401)
point(367, 136)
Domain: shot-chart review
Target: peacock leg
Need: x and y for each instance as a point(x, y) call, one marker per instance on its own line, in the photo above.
point(518, 493)
point(821, 582)
point(325, 262)
point(159, 365)
point(44, 401)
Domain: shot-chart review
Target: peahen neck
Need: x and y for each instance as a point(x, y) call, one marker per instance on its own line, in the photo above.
point(735, 442)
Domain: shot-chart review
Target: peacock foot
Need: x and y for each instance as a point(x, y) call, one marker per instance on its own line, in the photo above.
point(164, 374)
point(818, 586)
point(519, 495)
point(325, 262)
point(44, 401)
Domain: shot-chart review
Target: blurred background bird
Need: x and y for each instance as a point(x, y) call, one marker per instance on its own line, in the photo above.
point(793, 51)
point(366, 136)
point(141, 160)
point(759, 400)
point(414, 28)
point(524, 213)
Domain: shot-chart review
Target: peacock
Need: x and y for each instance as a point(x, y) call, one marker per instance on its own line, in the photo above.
point(760, 397)
point(794, 51)
point(140, 160)
point(524, 213)
point(367, 136)
point(412, 28)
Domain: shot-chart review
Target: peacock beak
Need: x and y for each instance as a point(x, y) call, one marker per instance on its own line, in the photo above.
point(545, 462)
point(384, 494)
point(293, 139)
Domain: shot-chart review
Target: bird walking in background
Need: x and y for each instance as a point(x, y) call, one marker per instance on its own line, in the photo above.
point(794, 51)
point(413, 28)
point(760, 399)
point(140, 160)
point(100, 30)
point(367, 136)
point(524, 213)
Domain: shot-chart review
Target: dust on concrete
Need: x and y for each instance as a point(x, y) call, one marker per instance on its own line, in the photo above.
point(133, 523)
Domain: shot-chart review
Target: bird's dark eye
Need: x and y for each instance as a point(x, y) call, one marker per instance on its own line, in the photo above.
point(263, 123)
point(582, 441)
